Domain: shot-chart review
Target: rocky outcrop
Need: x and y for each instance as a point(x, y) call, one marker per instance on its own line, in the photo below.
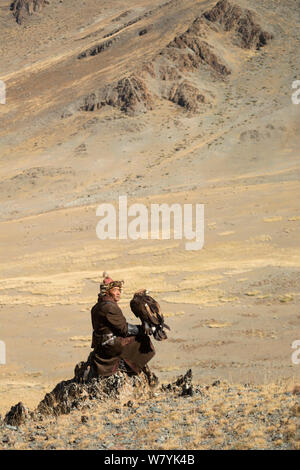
point(187, 96)
point(129, 94)
point(182, 414)
point(183, 385)
point(82, 391)
point(174, 72)
point(69, 395)
point(98, 48)
point(85, 389)
point(21, 8)
point(189, 52)
point(242, 21)
point(17, 415)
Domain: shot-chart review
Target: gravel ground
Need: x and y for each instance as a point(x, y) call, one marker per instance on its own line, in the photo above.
point(216, 416)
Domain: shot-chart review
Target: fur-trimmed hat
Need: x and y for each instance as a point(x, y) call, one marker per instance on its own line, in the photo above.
point(108, 284)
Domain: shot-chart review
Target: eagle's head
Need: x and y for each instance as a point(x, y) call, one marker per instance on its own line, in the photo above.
point(141, 292)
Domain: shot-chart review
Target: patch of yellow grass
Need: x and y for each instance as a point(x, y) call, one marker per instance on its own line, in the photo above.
point(224, 234)
point(218, 325)
point(273, 219)
point(153, 249)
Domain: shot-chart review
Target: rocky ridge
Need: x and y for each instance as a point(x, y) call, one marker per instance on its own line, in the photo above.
point(86, 387)
point(243, 22)
point(173, 74)
point(121, 413)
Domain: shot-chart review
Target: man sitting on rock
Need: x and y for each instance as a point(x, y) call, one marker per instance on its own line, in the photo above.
point(117, 345)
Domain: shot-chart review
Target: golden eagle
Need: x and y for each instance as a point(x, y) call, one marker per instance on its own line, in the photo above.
point(148, 311)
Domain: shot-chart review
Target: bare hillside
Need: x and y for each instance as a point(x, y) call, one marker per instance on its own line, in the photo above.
point(165, 102)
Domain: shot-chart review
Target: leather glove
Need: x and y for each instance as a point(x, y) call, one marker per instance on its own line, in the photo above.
point(133, 330)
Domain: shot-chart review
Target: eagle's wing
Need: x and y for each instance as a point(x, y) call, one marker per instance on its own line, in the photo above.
point(135, 305)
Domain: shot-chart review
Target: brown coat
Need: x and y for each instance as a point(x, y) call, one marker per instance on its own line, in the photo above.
point(136, 351)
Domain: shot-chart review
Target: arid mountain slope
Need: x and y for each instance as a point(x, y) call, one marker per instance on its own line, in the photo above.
point(165, 102)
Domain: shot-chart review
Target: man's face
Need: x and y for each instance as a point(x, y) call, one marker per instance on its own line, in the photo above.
point(115, 293)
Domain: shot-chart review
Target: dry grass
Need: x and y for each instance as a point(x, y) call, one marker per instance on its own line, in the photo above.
point(222, 416)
